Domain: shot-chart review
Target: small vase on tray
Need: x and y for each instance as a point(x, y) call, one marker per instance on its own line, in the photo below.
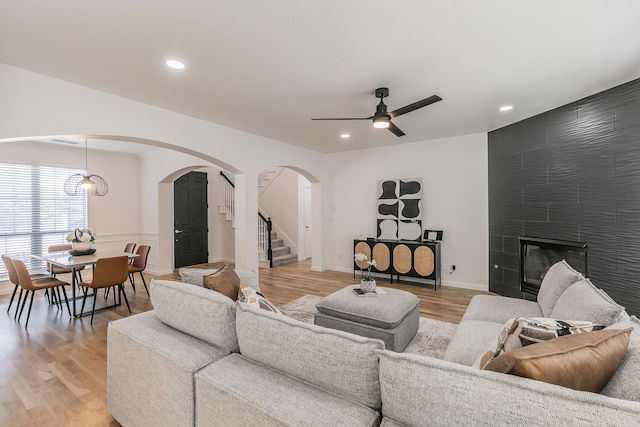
point(368, 286)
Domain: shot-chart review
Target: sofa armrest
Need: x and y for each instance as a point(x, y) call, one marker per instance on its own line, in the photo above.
point(418, 390)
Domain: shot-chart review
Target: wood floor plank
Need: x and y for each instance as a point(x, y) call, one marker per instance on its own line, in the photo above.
point(54, 373)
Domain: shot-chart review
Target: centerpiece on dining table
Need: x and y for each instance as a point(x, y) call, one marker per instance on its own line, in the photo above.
point(82, 240)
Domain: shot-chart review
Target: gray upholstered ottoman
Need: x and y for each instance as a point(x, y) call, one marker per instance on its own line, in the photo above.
point(392, 318)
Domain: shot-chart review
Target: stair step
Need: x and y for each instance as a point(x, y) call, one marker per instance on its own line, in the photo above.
point(279, 251)
point(277, 243)
point(284, 259)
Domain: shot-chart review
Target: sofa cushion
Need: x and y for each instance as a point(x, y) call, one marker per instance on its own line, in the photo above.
point(196, 311)
point(425, 391)
point(340, 362)
point(583, 301)
point(150, 368)
point(223, 280)
point(625, 382)
point(493, 308)
point(520, 332)
point(240, 392)
point(470, 340)
point(558, 279)
point(582, 362)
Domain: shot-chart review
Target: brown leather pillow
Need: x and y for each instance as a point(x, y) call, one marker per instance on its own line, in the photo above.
point(225, 281)
point(583, 362)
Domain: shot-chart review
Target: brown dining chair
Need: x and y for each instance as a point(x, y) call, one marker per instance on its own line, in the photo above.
point(129, 248)
point(13, 278)
point(107, 273)
point(55, 269)
point(138, 265)
point(29, 285)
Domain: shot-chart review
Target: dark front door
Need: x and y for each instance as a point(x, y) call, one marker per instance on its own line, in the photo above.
point(190, 219)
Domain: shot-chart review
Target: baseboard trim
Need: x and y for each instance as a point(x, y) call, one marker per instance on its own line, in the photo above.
point(158, 272)
point(471, 286)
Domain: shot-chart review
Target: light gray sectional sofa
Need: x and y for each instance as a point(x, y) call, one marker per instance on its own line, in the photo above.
point(201, 359)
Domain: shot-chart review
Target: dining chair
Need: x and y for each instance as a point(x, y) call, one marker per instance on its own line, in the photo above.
point(138, 265)
point(130, 247)
point(13, 278)
point(29, 285)
point(107, 273)
point(55, 269)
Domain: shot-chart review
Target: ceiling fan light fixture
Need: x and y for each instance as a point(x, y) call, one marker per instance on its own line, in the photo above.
point(382, 118)
point(381, 122)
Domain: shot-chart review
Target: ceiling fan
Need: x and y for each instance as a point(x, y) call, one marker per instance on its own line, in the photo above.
point(382, 119)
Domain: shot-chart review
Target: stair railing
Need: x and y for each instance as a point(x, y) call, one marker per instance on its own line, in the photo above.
point(227, 195)
point(264, 237)
point(265, 225)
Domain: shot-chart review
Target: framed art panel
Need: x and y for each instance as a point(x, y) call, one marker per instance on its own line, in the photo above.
point(399, 215)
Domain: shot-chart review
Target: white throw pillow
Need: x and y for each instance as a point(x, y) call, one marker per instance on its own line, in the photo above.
point(557, 280)
point(254, 298)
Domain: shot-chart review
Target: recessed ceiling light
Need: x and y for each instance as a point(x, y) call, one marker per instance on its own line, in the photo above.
point(506, 108)
point(176, 65)
point(345, 135)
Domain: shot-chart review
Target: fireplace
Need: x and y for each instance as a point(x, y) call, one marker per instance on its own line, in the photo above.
point(538, 255)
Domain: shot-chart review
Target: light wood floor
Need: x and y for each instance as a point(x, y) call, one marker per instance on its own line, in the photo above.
point(54, 373)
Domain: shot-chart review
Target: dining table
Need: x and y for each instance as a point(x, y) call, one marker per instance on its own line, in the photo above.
point(66, 260)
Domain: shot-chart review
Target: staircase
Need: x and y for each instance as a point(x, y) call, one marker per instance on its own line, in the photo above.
point(281, 254)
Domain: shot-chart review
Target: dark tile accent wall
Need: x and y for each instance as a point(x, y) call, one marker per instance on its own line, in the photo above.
point(572, 173)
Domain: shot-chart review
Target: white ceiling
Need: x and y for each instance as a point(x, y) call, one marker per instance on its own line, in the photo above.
point(268, 67)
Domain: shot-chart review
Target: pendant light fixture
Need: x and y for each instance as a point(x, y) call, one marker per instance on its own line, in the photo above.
point(93, 185)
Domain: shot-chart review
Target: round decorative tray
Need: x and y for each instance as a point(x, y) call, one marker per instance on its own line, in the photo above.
point(80, 253)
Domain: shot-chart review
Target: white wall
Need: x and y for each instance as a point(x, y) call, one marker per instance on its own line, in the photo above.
point(454, 177)
point(279, 200)
point(115, 216)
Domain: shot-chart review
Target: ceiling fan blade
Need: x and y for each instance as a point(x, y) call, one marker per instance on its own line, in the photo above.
point(395, 129)
point(418, 104)
point(346, 118)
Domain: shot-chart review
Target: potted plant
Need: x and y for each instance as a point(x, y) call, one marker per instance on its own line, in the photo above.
point(367, 283)
point(82, 239)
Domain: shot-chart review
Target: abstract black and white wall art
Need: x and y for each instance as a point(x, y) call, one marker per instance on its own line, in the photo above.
point(399, 213)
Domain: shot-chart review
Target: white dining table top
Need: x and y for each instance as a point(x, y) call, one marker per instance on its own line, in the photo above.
point(66, 260)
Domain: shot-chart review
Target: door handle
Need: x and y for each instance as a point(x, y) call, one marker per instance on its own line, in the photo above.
point(177, 231)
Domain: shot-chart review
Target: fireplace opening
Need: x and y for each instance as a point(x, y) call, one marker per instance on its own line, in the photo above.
point(538, 255)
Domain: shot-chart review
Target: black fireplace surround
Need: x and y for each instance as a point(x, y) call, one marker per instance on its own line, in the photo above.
point(538, 255)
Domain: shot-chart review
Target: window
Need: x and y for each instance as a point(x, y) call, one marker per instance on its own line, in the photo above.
point(36, 213)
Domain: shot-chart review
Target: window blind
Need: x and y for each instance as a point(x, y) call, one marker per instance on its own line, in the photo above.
point(36, 213)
